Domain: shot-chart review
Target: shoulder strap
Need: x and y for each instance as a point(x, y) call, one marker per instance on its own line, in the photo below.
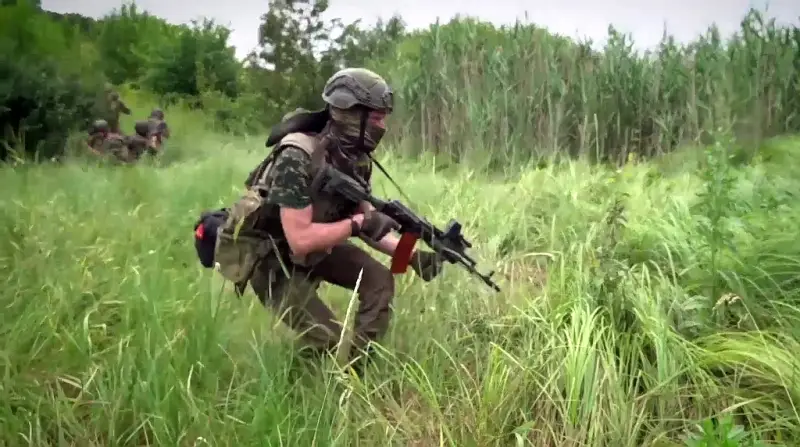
point(308, 143)
point(305, 142)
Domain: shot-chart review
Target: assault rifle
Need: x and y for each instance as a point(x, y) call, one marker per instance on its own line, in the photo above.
point(449, 243)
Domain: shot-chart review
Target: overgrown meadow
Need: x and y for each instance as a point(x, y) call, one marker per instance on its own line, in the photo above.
point(637, 302)
point(649, 302)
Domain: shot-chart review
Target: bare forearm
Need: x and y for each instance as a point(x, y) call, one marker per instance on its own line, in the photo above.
point(321, 236)
point(387, 245)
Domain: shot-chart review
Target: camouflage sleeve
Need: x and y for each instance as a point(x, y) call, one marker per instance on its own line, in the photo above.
point(292, 180)
point(124, 108)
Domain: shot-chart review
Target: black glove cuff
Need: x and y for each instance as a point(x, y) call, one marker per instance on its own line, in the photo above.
point(355, 228)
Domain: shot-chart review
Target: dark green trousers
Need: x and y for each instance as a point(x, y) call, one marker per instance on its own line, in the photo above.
point(296, 300)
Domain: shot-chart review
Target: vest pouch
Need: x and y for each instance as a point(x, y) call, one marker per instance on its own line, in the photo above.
point(239, 247)
point(236, 256)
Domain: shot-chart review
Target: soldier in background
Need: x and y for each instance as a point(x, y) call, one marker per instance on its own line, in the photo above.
point(113, 108)
point(98, 132)
point(103, 142)
point(143, 140)
point(159, 129)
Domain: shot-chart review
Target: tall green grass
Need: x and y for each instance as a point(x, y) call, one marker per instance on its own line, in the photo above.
point(502, 96)
point(637, 304)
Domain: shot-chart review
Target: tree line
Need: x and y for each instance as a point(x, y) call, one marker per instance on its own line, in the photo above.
point(466, 89)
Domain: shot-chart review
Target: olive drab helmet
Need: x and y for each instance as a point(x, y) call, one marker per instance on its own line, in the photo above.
point(99, 126)
point(157, 113)
point(358, 87)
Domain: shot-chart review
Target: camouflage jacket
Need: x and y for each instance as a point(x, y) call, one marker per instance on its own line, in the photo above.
point(327, 208)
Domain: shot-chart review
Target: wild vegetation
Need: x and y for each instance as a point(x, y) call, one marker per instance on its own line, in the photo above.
point(641, 211)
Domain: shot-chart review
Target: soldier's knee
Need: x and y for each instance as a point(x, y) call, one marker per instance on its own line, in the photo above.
point(378, 282)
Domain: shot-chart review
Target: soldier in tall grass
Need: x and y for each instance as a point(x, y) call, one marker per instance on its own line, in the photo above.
point(122, 148)
point(102, 141)
point(159, 130)
point(309, 231)
point(114, 107)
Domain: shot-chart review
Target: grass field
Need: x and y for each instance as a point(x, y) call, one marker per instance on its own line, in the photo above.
point(637, 305)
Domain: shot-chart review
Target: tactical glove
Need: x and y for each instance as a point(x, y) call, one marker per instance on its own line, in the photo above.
point(377, 225)
point(426, 264)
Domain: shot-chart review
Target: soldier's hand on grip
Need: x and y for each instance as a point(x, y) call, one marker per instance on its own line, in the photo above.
point(377, 225)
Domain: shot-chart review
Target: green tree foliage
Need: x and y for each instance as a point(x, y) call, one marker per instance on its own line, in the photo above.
point(298, 51)
point(54, 67)
point(194, 60)
point(295, 54)
point(465, 89)
point(128, 40)
point(48, 80)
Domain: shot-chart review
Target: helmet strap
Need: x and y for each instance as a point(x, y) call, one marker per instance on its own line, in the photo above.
point(363, 129)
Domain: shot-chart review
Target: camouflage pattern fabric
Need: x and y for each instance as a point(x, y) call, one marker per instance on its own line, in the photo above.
point(291, 180)
point(288, 182)
point(137, 145)
point(347, 128)
point(97, 135)
point(280, 280)
point(159, 125)
point(117, 147)
point(289, 286)
point(95, 142)
point(344, 151)
point(115, 107)
point(159, 129)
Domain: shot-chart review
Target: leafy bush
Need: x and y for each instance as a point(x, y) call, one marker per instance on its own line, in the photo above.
point(48, 82)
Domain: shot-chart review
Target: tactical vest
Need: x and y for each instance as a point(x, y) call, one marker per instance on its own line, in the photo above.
point(251, 231)
point(327, 208)
point(116, 146)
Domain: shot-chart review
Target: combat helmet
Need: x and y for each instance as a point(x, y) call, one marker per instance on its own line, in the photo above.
point(99, 126)
point(358, 87)
point(157, 113)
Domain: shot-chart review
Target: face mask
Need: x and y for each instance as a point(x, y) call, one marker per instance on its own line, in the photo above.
point(347, 130)
point(372, 136)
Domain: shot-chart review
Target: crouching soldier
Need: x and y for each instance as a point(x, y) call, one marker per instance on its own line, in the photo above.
point(285, 237)
point(159, 127)
point(103, 142)
point(98, 132)
point(142, 140)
